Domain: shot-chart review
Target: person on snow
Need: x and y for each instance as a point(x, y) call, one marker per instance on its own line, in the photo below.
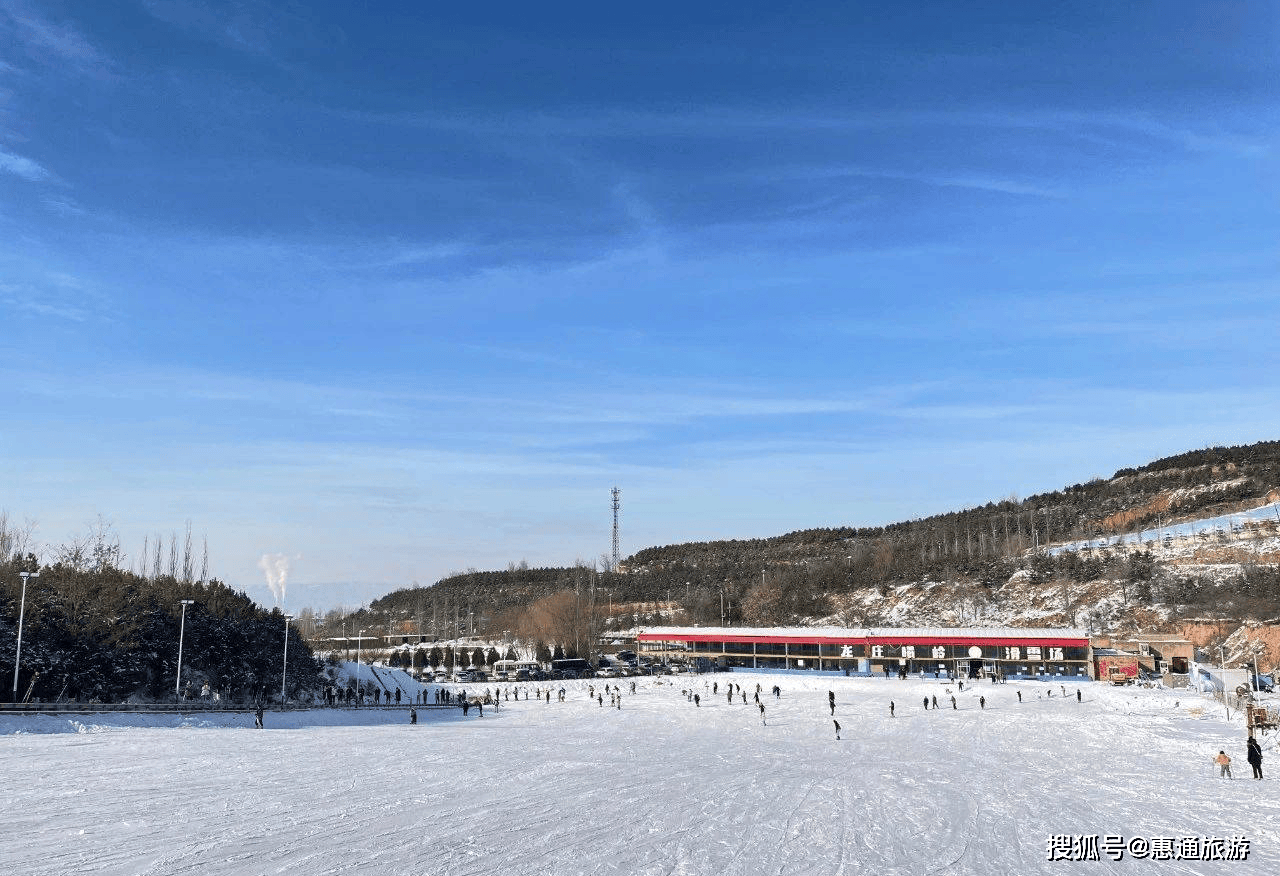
point(1224, 764)
point(935, 701)
point(257, 717)
point(831, 700)
point(953, 703)
point(982, 701)
point(762, 720)
point(926, 704)
point(697, 701)
point(413, 716)
point(891, 715)
point(1019, 696)
point(837, 723)
point(1255, 757)
point(1078, 695)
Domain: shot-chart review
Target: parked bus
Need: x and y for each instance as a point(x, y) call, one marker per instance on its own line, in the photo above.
point(509, 670)
point(572, 667)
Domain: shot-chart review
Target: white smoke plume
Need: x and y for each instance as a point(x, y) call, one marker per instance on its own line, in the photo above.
point(276, 568)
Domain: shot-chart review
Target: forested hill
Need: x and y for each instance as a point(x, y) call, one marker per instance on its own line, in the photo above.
point(805, 573)
point(1193, 484)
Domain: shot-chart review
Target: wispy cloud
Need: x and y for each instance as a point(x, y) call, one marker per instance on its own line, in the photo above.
point(23, 167)
point(29, 302)
point(49, 41)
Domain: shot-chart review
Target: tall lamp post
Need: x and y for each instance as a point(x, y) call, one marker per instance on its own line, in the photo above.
point(284, 675)
point(182, 630)
point(21, 613)
point(359, 642)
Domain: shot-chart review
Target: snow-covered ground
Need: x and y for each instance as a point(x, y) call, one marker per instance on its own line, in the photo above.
point(657, 787)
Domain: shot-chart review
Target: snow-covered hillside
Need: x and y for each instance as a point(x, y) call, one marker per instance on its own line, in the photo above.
point(659, 786)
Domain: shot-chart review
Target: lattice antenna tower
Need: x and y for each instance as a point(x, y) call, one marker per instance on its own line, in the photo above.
point(617, 503)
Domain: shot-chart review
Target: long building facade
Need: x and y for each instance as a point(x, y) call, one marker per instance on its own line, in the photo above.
point(937, 651)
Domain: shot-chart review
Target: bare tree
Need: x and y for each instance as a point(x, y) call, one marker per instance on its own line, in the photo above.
point(188, 560)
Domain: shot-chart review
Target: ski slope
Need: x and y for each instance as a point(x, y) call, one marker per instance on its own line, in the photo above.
point(1206, 526)
point(657, 787)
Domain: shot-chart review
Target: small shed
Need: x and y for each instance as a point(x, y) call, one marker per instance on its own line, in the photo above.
point(1109, 663)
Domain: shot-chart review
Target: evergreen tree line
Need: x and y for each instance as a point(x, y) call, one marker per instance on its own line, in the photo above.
point(92, 631)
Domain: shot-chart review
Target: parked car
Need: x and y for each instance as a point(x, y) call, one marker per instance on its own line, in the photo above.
point(606, 672)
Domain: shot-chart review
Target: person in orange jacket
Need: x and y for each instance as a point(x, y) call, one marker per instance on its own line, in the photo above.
point(1224, 762)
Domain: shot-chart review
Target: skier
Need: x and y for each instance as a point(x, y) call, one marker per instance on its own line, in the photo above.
point(926, 704)
point(1224, 764)
point(962, 685)
point(1077, 695)
point(1019, 696)
point(837, 723)
point(982, 701)
point(257, 718)
point(744, 697)
point(891, 715)
point(600, 699)
point(413, 716)
point(953, 703)
point(1255, 757)
point(935, 701)
point(762, 720)
point(831, 699)
point(697, 701)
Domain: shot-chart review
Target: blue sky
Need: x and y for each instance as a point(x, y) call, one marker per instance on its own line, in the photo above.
point(398, 293)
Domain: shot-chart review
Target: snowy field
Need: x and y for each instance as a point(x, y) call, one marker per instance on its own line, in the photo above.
point(657, 787)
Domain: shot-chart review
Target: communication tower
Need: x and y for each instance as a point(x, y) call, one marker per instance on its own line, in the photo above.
point(617, 503)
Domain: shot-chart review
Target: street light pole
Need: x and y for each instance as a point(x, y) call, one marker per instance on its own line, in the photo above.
point(182, 630)
point(22, 610)
point(284, 675)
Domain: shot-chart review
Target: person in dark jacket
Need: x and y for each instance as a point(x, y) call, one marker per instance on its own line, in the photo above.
point(1255, 757)
point(257, 722)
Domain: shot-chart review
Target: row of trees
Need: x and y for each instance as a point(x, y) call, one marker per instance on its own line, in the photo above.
point(93, 631)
